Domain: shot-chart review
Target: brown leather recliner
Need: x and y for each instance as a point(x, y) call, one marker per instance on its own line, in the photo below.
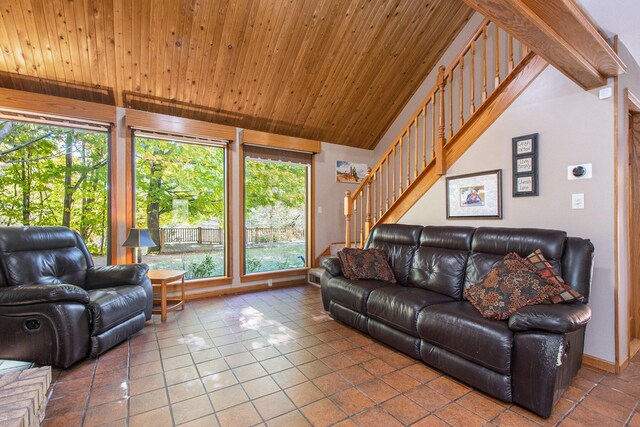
point(56, 307)
point(529, 359)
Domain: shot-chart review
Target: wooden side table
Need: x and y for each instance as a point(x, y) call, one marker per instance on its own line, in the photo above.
point(160, 279)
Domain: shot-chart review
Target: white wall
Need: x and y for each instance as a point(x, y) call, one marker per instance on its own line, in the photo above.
point(330, 223)
point(574, 127)
point(418, 97)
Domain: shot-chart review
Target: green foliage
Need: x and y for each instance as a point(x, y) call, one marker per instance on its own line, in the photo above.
point(168, 171)
point(46, 171)
point(204, 268)
point(59, 176)
point(272, 183)
point(252, 264)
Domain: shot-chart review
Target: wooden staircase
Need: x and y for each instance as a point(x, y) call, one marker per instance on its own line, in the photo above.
point(488, 74)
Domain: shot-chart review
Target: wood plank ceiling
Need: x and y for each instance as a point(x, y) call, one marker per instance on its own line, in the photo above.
point(332, 70)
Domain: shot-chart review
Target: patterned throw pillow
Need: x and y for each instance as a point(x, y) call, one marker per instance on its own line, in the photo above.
point(344, 264)
point(365, 264)
point(512, 283)
point(544, 269)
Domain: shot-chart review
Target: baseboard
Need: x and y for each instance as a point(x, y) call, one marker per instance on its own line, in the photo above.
point(623, 365)
point(596, 362)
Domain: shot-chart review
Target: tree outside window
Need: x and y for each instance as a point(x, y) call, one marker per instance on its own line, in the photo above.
point(51, 175)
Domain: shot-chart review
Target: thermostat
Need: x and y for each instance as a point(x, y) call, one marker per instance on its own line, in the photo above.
point(583, 171)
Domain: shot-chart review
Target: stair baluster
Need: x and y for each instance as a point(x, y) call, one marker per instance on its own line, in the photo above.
point(386, 184)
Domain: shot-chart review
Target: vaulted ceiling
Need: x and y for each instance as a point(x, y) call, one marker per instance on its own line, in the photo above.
point(332, 70)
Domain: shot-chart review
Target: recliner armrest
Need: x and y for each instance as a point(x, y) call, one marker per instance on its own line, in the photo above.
point(34, 294)
point(332, 265)
point(116, 275)
point(558, 318)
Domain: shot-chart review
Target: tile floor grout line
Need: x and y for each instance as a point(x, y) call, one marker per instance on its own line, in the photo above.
point(298, 345)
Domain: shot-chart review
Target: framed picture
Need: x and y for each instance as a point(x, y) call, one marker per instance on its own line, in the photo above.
point(525, 185)
point(350, 173)
point(525, 165)
point(526, 144)
point(475, 195)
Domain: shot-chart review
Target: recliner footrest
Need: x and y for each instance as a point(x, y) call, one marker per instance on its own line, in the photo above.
point(115, 335)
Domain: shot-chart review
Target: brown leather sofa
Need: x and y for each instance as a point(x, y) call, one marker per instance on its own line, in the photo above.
point(56, 307)
point(528, 359)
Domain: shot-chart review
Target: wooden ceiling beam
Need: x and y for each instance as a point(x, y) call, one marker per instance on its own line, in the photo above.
point(559, 31)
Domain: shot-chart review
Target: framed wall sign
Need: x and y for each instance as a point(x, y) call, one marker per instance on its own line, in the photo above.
point(475, 195)
point(525, 165)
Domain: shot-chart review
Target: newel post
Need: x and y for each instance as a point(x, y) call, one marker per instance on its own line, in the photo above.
point(347, 214)
point(441, 167)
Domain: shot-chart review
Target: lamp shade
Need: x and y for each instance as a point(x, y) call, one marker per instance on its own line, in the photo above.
point(138, 238)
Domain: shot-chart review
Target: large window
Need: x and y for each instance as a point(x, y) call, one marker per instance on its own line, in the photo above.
point(276, 188)
point(180, 197)
point(54, 175)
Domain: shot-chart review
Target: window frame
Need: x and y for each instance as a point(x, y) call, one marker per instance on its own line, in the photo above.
point(309, 220)
point(189, 128)
point(100, 122)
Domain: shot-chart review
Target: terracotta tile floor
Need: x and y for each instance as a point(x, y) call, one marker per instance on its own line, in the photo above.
point(275, 358)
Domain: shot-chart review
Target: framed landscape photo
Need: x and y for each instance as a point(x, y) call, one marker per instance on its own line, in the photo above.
point(525, 165)
point(350, 173)
point(475, 195)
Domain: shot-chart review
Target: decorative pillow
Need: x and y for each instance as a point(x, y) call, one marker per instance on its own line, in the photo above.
point(544, 269)
point(365, 264)
point(512, 283)
point(344, 264)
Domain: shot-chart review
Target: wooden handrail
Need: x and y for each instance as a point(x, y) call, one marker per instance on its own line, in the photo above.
point(432, 125)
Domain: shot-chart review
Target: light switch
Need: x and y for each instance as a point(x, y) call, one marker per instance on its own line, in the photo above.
point(605, 93)
point(319, 209)
point(577, 201)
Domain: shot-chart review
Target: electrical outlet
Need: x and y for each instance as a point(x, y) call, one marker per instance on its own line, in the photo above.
point(270, 282)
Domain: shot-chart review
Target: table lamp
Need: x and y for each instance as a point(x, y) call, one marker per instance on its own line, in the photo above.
point(138, 238)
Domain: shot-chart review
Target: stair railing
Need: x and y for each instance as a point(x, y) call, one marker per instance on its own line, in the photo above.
point(460, 90)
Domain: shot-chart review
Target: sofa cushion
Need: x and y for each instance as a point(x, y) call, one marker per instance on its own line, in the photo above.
point(460, 329)
point(370, 263)
point(46, 267)
point(353, 294)
point(112, 306)
point(439, 270)
point(512, 283)
point(399, 242)
point(399, 307)
point(577, 265)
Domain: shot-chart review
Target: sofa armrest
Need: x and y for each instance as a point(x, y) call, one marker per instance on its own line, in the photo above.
point(332, 265)
point(558, 318)
point(35, 294)
point(116, 275)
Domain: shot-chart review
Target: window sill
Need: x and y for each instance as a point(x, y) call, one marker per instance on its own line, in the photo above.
point(257, 277)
